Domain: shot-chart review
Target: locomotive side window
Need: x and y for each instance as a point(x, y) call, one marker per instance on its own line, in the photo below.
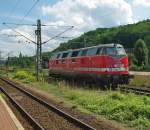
point(75, 53)
point(84, 52)
point(99, 51)
point(104, 51)
point(69, 54)
point(92, 51)
point(58, 56)
point(65, 55)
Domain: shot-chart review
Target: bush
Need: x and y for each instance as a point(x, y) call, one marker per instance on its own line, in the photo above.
point(24, 75)
point(146, 68)
point(133, 67)
point(139, 68)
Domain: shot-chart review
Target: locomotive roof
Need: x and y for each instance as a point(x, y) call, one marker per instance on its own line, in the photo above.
point(100, 45)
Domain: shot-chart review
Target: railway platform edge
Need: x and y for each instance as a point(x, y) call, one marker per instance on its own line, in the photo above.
point(8, 120)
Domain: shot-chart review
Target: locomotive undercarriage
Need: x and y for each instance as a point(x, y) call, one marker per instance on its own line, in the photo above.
point(105, 81)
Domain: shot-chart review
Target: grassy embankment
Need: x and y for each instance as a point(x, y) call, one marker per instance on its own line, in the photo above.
point(130, 109)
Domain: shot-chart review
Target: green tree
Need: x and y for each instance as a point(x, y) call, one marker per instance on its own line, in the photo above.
point(132, 59)
point(148, 54)
point(141, 52)
point(21, 61)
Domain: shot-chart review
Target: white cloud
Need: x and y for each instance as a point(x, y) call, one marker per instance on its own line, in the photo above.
point(137, 3)
point(89, 14)
point(9, 43)
point(141, 9)
point(86, 15)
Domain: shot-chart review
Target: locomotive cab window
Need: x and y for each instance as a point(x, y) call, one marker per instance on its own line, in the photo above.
point(113, 51)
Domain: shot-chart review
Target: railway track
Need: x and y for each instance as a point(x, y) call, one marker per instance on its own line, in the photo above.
point(42, 115)
point(136, 90)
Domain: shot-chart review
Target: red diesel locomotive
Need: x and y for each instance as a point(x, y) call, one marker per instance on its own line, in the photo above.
point(107, 64)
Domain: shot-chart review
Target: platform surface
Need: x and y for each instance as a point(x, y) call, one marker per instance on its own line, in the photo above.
point(7, 119)
point(139, 73)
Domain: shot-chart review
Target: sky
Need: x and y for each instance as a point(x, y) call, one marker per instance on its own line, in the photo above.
point(84, 15)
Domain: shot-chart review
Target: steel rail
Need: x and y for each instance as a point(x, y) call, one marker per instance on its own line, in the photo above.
point(142, 91)
point(35, 124)
point(61, 113)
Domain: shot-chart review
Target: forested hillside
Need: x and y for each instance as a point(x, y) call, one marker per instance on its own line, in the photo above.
point(126, 35)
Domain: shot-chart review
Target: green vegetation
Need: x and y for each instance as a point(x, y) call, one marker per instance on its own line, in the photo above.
point(130, 109)
point(24, 75)
point(127, 35)
point(21, 61)
point(141, 52)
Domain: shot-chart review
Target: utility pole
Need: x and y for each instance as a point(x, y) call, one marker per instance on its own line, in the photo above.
point(8, 58)
point(1, 59)
point(38, 41)
point(84, 41)
point(7, 63)
point(39, 49)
